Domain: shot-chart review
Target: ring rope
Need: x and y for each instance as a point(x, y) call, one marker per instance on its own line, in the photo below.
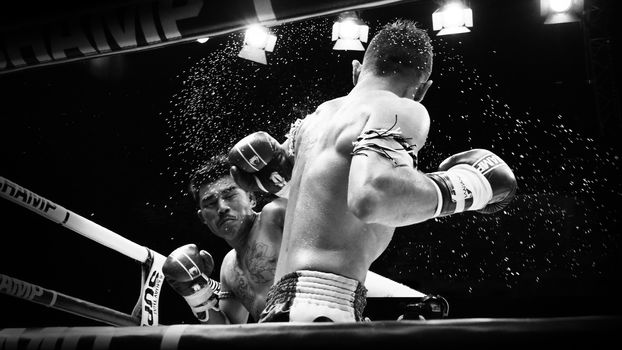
point(50, 210)
point(152, 276)
point(47, 297)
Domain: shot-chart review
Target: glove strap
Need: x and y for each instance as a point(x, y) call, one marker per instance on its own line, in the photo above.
point(460, 188)
point(283, 192)
point(204, 299)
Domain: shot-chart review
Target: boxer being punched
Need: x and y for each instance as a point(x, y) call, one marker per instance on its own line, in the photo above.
point(247, 271)
point(355, 179)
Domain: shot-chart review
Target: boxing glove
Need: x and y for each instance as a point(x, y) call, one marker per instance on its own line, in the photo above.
point(473, 180)
point(259, 163)
point(427, 308)
point(186, 270)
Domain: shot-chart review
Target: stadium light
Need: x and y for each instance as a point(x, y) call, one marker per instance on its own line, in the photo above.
point(561, 11)
point(349, 31)
point(257, 41)
point(454, 17)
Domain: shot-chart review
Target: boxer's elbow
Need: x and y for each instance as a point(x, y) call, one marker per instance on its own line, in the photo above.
point(362, 207)
point(366, 202)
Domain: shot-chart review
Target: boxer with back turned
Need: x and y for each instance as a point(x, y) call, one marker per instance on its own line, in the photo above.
point(354, 179)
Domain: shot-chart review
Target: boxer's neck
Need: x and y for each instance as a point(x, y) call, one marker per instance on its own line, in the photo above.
point(370, 82)
point(241, 243)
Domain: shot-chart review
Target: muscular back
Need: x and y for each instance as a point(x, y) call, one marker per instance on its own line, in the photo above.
point(321, 232)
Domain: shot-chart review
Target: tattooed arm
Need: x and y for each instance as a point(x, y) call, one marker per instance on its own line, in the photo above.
point(231, 304)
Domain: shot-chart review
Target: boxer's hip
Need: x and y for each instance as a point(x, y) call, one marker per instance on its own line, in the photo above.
point(312, 296)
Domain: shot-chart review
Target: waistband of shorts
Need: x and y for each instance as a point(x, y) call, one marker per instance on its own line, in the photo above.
point(318, 285)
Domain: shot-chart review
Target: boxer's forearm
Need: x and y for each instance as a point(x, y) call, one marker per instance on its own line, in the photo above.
point(398, 197)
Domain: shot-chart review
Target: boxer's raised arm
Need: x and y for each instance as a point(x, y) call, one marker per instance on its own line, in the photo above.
point(384, 185)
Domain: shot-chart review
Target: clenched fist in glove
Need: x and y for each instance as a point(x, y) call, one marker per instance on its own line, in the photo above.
point(259, 162)
point(187, 269)
point(473, 180)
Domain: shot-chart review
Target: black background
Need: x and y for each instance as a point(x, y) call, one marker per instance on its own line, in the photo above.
point(114, 139)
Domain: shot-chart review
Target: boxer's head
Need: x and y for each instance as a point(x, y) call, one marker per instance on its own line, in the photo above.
point(223, 206)
point(400, 50)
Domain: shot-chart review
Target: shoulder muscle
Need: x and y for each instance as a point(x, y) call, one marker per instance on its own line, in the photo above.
point(410, 116)
point(227, 268)
point(274, 212)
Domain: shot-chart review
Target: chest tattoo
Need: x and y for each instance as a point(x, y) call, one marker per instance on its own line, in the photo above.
point(261, 263)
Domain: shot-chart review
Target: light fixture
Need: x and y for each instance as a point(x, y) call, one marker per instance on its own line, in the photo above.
point(349, 31)
point(561, 11)
point(453, 18)
point(202, 40)
point(257, 41)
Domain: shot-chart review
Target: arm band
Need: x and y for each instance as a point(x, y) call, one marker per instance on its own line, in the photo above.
point(389, 144)
point(226, 295)
point(291, 136)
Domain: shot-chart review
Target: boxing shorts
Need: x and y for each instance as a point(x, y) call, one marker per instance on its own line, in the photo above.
point(313, 296)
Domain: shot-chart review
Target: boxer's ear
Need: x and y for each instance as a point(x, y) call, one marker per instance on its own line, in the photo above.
point(421, 90)
point(252, 199)
point(356, 71)
point(201, 218)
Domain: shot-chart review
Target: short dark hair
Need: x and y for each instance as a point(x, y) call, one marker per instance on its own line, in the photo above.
point(399, 47)
point(214, 169)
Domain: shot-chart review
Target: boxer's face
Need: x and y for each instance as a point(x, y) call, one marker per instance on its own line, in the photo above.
point(225, 208)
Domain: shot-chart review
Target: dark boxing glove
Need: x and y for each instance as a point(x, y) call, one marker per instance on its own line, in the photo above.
point(473, 180)
point(259, 163)
point(186, 270)
point(428, 308)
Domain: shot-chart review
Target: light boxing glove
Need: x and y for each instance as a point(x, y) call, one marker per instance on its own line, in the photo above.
point(260, 163)
point(473, 180)
point(186, 270)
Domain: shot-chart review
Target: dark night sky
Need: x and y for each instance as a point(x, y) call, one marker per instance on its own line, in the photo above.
point(114, 140)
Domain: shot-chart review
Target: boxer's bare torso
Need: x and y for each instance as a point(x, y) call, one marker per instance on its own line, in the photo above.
point(321, 232)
